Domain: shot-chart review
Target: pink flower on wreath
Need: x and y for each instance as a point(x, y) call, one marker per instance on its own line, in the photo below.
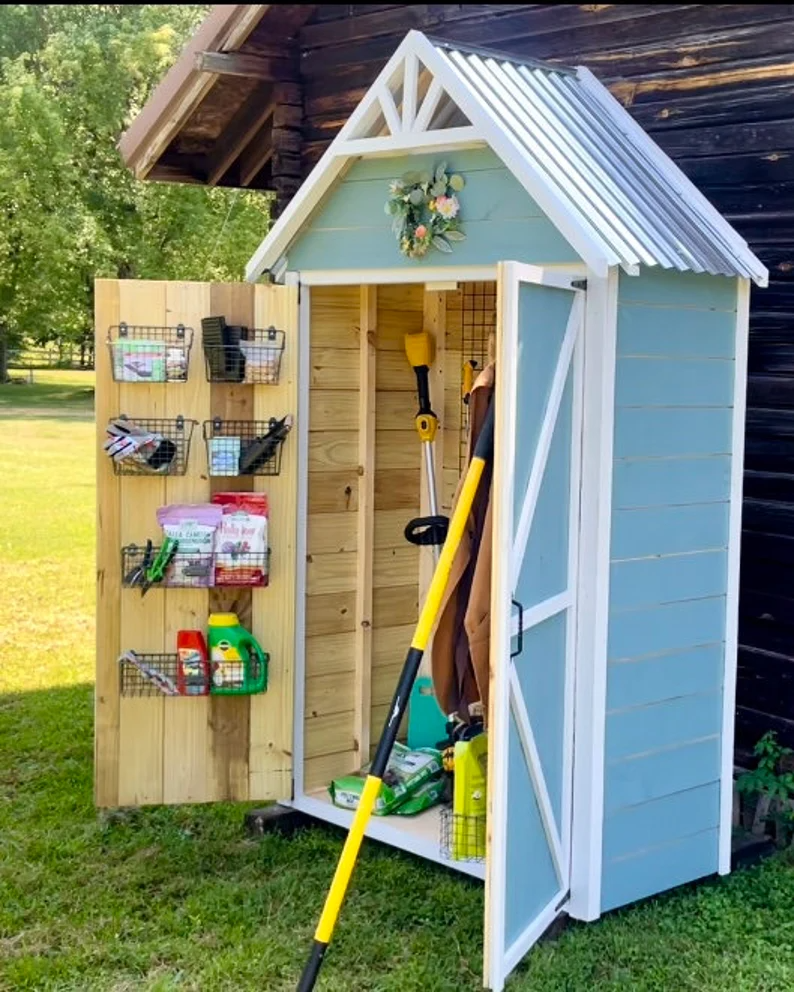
point(421, 231)
point(447, 206)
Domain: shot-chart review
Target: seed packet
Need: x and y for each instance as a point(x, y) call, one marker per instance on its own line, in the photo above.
point(241, 539)
point(193, 526)
point(139, 360)
point(224, 455)
point(406, 773)
point(261, 362)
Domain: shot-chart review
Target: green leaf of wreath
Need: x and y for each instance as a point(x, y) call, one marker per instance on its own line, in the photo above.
point(454, 235)
point(442, 244)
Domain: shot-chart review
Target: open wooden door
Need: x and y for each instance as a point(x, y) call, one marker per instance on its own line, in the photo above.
point(536, 514)
point(154, 748)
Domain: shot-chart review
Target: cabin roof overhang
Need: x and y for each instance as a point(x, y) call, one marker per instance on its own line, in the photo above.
point(210, 120)
point(611, 192)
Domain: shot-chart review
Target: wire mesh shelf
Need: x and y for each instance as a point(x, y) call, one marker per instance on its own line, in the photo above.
point(149, 674)
point(245, 447)
point(146, 353)
point(161, 675)
point(241, 354)
point(462, 836)
point(225, 567)
point(146, 446)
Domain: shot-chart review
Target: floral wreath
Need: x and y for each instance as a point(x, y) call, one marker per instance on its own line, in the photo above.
point(424, 211)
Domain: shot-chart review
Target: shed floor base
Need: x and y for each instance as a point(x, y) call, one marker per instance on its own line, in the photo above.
point(419, 835)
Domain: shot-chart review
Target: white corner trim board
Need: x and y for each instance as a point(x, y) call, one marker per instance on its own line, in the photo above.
point(734, 553)
point(600, 339)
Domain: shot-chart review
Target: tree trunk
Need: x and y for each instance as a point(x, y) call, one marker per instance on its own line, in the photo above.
point(3, 354)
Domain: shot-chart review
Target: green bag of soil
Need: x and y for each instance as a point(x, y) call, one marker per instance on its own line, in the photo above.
point(406, 774)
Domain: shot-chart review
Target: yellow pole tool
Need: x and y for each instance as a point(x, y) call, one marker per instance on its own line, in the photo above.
point(483, 453)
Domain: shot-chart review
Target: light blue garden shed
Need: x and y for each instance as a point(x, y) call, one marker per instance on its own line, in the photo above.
point(620, 337)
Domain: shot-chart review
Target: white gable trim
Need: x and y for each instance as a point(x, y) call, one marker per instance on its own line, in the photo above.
point(422, 85)
point(378, 102)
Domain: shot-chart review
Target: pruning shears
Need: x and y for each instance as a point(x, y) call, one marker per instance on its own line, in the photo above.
point(155, 572)
point(137, 573)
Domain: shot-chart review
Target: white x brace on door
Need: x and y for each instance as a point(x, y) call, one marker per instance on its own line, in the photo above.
point(536, 523)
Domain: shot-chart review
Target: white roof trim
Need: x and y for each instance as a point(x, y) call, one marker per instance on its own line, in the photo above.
point(497, 122)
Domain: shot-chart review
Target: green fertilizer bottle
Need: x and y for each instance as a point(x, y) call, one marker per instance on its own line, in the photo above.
point(237, 662)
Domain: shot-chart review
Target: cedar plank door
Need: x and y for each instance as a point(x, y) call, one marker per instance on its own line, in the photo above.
point(713, 85)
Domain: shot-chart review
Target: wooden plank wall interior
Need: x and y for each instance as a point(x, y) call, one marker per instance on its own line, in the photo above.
point(331, 747)
point(166, 750)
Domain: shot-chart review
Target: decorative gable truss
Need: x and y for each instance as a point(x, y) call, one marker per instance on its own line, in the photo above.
point(407, 107)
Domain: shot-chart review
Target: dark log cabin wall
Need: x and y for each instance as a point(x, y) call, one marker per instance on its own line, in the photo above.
point(714, 85)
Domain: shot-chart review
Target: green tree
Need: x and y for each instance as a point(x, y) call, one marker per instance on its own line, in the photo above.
point(71, 79)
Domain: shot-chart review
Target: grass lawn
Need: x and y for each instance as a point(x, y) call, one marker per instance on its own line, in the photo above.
point(179, 899)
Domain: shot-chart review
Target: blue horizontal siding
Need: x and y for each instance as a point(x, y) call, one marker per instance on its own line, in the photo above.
point(674, 382)
point(648, 330)
point(666, 627)
point(679, 290)
point(645, 581)
point(659, 821)
point(495, 196)
point(671, 481)
point(661, 773)
point(669, 530)
point(500, 220)
point(651, 680)
point(659, 869)
point(660, 725)
point(668, 579)
point(666, 431)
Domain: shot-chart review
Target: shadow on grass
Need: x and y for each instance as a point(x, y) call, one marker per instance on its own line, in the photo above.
point(178, 897)
point(47, 401)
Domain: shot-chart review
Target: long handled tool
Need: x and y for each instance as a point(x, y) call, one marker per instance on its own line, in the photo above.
point(483, 452)
point(432, 529)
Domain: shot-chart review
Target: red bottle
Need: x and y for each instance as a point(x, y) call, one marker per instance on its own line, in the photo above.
point(192, 664)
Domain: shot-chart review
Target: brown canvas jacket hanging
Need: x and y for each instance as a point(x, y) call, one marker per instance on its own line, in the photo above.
point(462, 640)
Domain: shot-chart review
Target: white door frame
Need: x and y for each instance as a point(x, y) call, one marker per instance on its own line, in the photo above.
point(505, 692)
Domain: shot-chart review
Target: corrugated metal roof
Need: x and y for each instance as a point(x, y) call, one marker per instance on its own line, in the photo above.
point(614, 180)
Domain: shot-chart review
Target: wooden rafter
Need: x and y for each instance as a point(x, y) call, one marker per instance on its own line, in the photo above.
point(243, 128)
point(250, 66)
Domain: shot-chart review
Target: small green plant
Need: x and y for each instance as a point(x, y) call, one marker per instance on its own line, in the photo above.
point(772, 786)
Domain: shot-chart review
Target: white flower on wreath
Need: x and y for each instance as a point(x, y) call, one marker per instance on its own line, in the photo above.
point(447, 206)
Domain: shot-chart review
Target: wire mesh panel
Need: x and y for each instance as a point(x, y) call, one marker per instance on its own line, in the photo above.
point(478, 324)
point(149, 674)
point(226, 567)
point(144, 353)
point(241, 354)
point(245, 447)
point(146, 446)
point(462, 836)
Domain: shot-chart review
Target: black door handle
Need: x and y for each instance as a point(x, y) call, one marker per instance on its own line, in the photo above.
point(520, 648)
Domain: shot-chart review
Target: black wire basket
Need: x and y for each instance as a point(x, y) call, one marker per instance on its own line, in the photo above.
point(146, 446)
point(245, 447)
point(146, 353)
point(241, 354)
point(224, 568)
point(149, 674)
point(161, 675)
point(462, 836)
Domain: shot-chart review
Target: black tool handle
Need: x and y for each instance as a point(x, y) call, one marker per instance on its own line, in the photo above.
point(423, 388)
point(427, 531)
